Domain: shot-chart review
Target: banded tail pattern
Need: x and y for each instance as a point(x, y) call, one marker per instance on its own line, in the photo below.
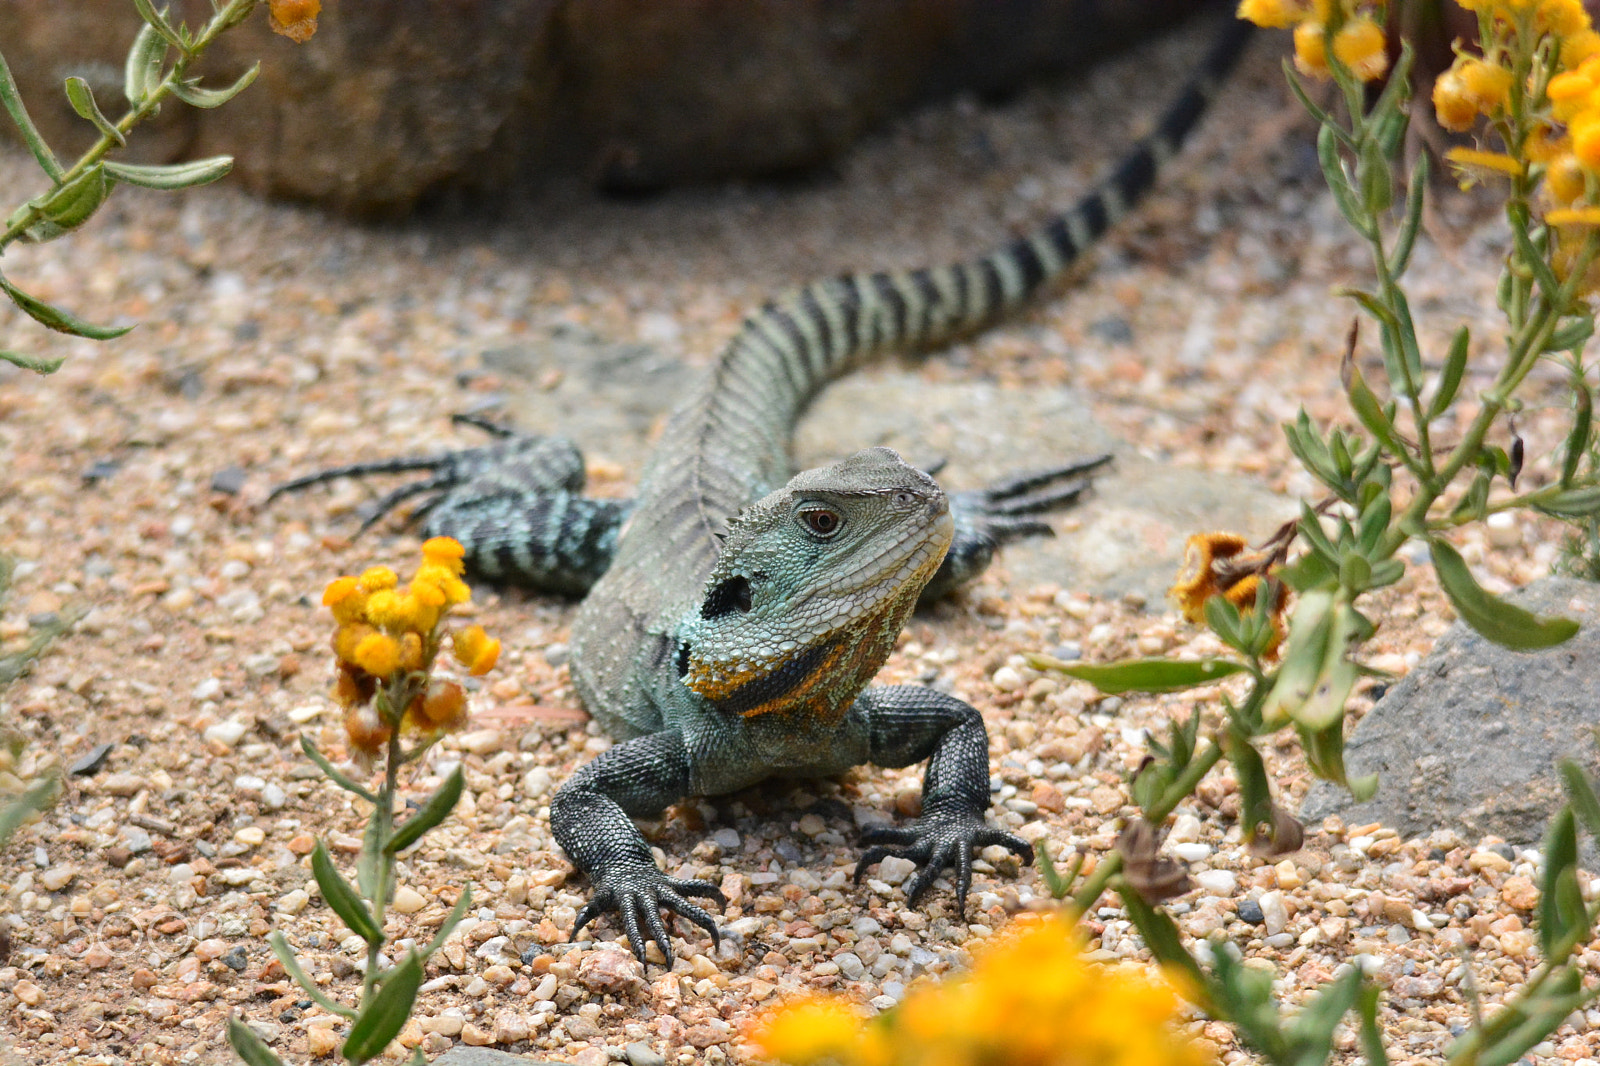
point(736, 430)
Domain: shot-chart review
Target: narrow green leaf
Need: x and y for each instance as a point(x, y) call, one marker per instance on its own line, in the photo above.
point(71, 205)
point(1226, 622)
point(1571, 335)
point(1141, 675)
point(332, 774)
point(350, 907)
point(439, 805)
point(1375, 519)
point(191, 93)
point(1455, 368)
point(142, 71)
point(1255, 788)
point(452, 920)
point(1385, 573)
point(82, 99)
point(248, 1046)
point(172, 175)
point(1406, 237)
point(1310, 571)
point(1309, 629)
point(1531, 257)
point(57, 319)
point(1162, 937)
point(291, 965)
point(1577, 444)
point(382, 1019)
point(1560, 923)
point(1333, 173)
point(1371, 1034)
point(11, 100)
point(1581, 795)
point(28, 362)
point(1574, 503)
point(1506, 624)
point(1376, 178)
point(1367, 408)
point(157, 20)
point(1313, 1027)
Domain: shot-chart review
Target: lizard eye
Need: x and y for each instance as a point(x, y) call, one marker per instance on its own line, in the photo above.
point(820, 521)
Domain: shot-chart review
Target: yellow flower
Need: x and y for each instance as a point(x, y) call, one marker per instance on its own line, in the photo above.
point(1574, 216)
point(444, 580)
point(366, 730)
point(346, 599)
point(1488, 85)
point(1452, 104)
point(1311, 49)
point(1585, 44)
point(1217, 564)
point(1562, 18)
point(411, 652)
point(377, 579)
point(378, 655)
point(294, 19)
point(399, 611)
point(1031, 998)
point(1563, 180)
point(446, 552)
point(347, 637)
point(1466, 158)
point(476, 650)
point(442, 709)
point(1271, 14)
point(354, 686)
point(1360, 45)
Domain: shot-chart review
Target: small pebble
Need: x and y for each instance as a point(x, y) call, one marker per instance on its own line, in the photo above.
point(408, 900)
point(1218, 882)
point(1250, 911)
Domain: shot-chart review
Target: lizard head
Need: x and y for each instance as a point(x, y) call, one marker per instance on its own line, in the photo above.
point(814, 584)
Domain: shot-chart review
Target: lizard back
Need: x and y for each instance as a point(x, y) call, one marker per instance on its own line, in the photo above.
point(728, 444)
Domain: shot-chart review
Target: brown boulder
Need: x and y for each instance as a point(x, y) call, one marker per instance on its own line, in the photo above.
point(392, 101)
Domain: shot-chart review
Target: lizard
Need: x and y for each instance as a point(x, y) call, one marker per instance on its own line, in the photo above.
point(732, 615)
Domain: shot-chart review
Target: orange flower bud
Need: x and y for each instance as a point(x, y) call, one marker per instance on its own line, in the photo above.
point(446, 552)
point(1360, 45)
point(476, 650)
point(1310, 49)
point(294, 19)
point(366, 730)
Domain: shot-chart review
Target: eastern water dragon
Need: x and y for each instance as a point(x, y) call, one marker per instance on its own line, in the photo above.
point(733, 616)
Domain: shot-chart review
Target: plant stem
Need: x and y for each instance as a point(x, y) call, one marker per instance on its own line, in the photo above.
point(229, 15)
point(383, 815)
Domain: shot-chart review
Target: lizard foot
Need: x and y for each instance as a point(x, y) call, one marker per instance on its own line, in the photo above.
point(638, 894)
point(1005, 511)
point(937, 840)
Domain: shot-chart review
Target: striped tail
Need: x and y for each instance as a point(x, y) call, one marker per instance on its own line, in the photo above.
point(728, 446)
point(829, 326)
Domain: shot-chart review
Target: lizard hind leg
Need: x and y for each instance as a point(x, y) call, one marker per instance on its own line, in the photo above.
point(516, 505)
point(987, 518)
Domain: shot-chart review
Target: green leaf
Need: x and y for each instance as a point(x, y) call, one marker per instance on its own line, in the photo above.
point(382, 1019)
point(1570, 335)
point(142, 71)
point(11, 100)
point(1226, 622)
point(1506, 624)
point(1574, 503)
point(1309, 631)
point(291, 965)
point(1255, 789)
point(1058, 884)
point(82, 99)
point(1533, 260)
point(1372, 414)
point(1385, 573)
point(248, 1046)
point(1141, 675)
point(1406, 236)
point(157, 20)
point(57, 319)
point(369, 861)
point(191, 93)
point(439, 805)
point(1563, 920)
point(1371, 1034)
point(28, 362)
point(172, 175)
point(71, 205)
point(1577, 444)
point(1581, 795)
point(1455, 368)
point(1377, 178)
point(350, 907)
point(1162, 937)
point(332, 774)
point(1338, 181)
point(452, 920)
point(1325, 705)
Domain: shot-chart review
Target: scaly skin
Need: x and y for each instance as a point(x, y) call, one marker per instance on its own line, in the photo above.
point(733, 616)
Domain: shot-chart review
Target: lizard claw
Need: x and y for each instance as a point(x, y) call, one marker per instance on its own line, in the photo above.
point(639, 894)
point(936, 841)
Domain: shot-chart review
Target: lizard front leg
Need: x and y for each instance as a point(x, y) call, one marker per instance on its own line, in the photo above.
point(590, 816)
point(908, 724)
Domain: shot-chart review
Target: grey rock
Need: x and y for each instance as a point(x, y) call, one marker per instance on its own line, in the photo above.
point(91, 762)
point(1469, 739)
point(466, 1055)
point(644, 1055)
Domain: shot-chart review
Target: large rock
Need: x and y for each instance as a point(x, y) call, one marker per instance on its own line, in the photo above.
point(395, 100)
point(1469, 739)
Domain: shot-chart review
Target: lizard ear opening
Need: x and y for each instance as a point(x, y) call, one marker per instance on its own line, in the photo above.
point(727, 597)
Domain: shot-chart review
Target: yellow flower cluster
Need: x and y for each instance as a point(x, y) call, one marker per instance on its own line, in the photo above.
point(389, 635)
point(1030, 999)
point(1346, 26)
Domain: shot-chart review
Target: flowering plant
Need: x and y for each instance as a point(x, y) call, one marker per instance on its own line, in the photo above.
point(388, 640)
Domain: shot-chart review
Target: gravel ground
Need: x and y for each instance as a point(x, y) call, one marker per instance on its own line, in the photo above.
point(274, 341)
